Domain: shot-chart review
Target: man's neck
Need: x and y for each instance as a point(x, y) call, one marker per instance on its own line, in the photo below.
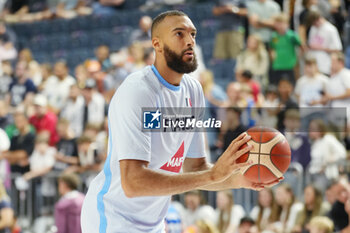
point(168, 74)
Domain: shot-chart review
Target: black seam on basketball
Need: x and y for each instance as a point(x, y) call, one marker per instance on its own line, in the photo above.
point(261, 133)
point(255, 153)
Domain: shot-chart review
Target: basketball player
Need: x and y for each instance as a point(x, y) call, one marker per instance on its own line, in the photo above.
point(132, 193)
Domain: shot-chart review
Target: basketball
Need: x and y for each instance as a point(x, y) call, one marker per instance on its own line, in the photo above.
point(270, 154)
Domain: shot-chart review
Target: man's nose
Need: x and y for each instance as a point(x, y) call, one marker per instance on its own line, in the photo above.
point(190, 40)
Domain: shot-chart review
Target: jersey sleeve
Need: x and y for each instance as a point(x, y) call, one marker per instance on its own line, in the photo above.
point(197, 146)
point(128, 139)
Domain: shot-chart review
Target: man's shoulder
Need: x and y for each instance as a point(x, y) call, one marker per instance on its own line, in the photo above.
point(137, 86)
point(139, 81)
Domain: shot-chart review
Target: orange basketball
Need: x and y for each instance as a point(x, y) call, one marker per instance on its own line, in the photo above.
point(270, 154)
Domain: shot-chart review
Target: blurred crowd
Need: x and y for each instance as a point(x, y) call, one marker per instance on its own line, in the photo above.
point(290, 69)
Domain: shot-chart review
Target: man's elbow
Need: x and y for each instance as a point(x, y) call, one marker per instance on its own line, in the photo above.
point(129, 189)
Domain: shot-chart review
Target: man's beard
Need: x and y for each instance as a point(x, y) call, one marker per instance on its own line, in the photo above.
point(177, 64)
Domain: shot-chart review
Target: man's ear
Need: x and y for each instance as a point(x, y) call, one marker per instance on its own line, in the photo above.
point(156, 43)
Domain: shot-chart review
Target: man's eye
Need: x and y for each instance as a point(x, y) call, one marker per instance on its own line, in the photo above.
point(193, 35)
point(179, 33)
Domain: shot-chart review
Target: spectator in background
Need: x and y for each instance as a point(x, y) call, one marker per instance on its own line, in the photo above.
point(98, 136)
point(72, 110)
point(261, 213)
point(22, 144)
point(339, 214)
point(143, 33)
point(173, 220)
point(228, 214)
point(96, 73)
point(321, 224)
point(7, 43)
point(7, 216)
point(102, 56)
point(331, 193)
point(215, 97)
point(89, 160)
point(246, 77)
point(231, 128)
point(202, 226)
point(6, 118)
point(283, 45)
point(311, 87)
point(229, 40)
point(297, 138)
point(286, 101)
point(57, 87)
point(269, 110)
point(81, 74)
point(5, 173)
point(34, 71)
point(107, 7)
point(255, 55)
point(46, 73)
point(247, 225)
point(117, 75)
point(323, 40)
point(313, 206)
point(70, 9)
point(284, 214)
point(338, 14)
point(67, 148)
point(338, 87)
point(43, 119)
point(5, 78)
point(41, 162)
point(136, 52)
point(213, 93)
point(196, 209)
point(304, 24)
point(310, 92)
point(68, 208)
point(234, 98)
point(92, 109)
point(260, 15)
point(22, 88)
point(326, 151)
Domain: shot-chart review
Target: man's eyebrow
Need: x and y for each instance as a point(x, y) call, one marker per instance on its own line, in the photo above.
point(183, 29)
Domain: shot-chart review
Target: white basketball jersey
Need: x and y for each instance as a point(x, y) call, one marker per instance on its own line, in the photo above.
point(106, 209)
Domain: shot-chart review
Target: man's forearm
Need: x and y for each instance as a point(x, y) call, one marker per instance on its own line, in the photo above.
point(231, 182)
point(152, 183)
point(343, 96)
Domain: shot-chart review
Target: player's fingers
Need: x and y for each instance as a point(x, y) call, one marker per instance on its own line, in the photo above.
point(268, 185)
point(242, 135)
point(245, 164)
point(258, 186)
point(240, 142)
point(242, 152)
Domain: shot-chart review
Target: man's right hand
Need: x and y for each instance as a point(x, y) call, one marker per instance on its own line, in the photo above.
point(226, 164)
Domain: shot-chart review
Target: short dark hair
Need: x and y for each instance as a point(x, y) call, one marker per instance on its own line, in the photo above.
point(159, 18)
point(247, 74)
point(247, 219)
